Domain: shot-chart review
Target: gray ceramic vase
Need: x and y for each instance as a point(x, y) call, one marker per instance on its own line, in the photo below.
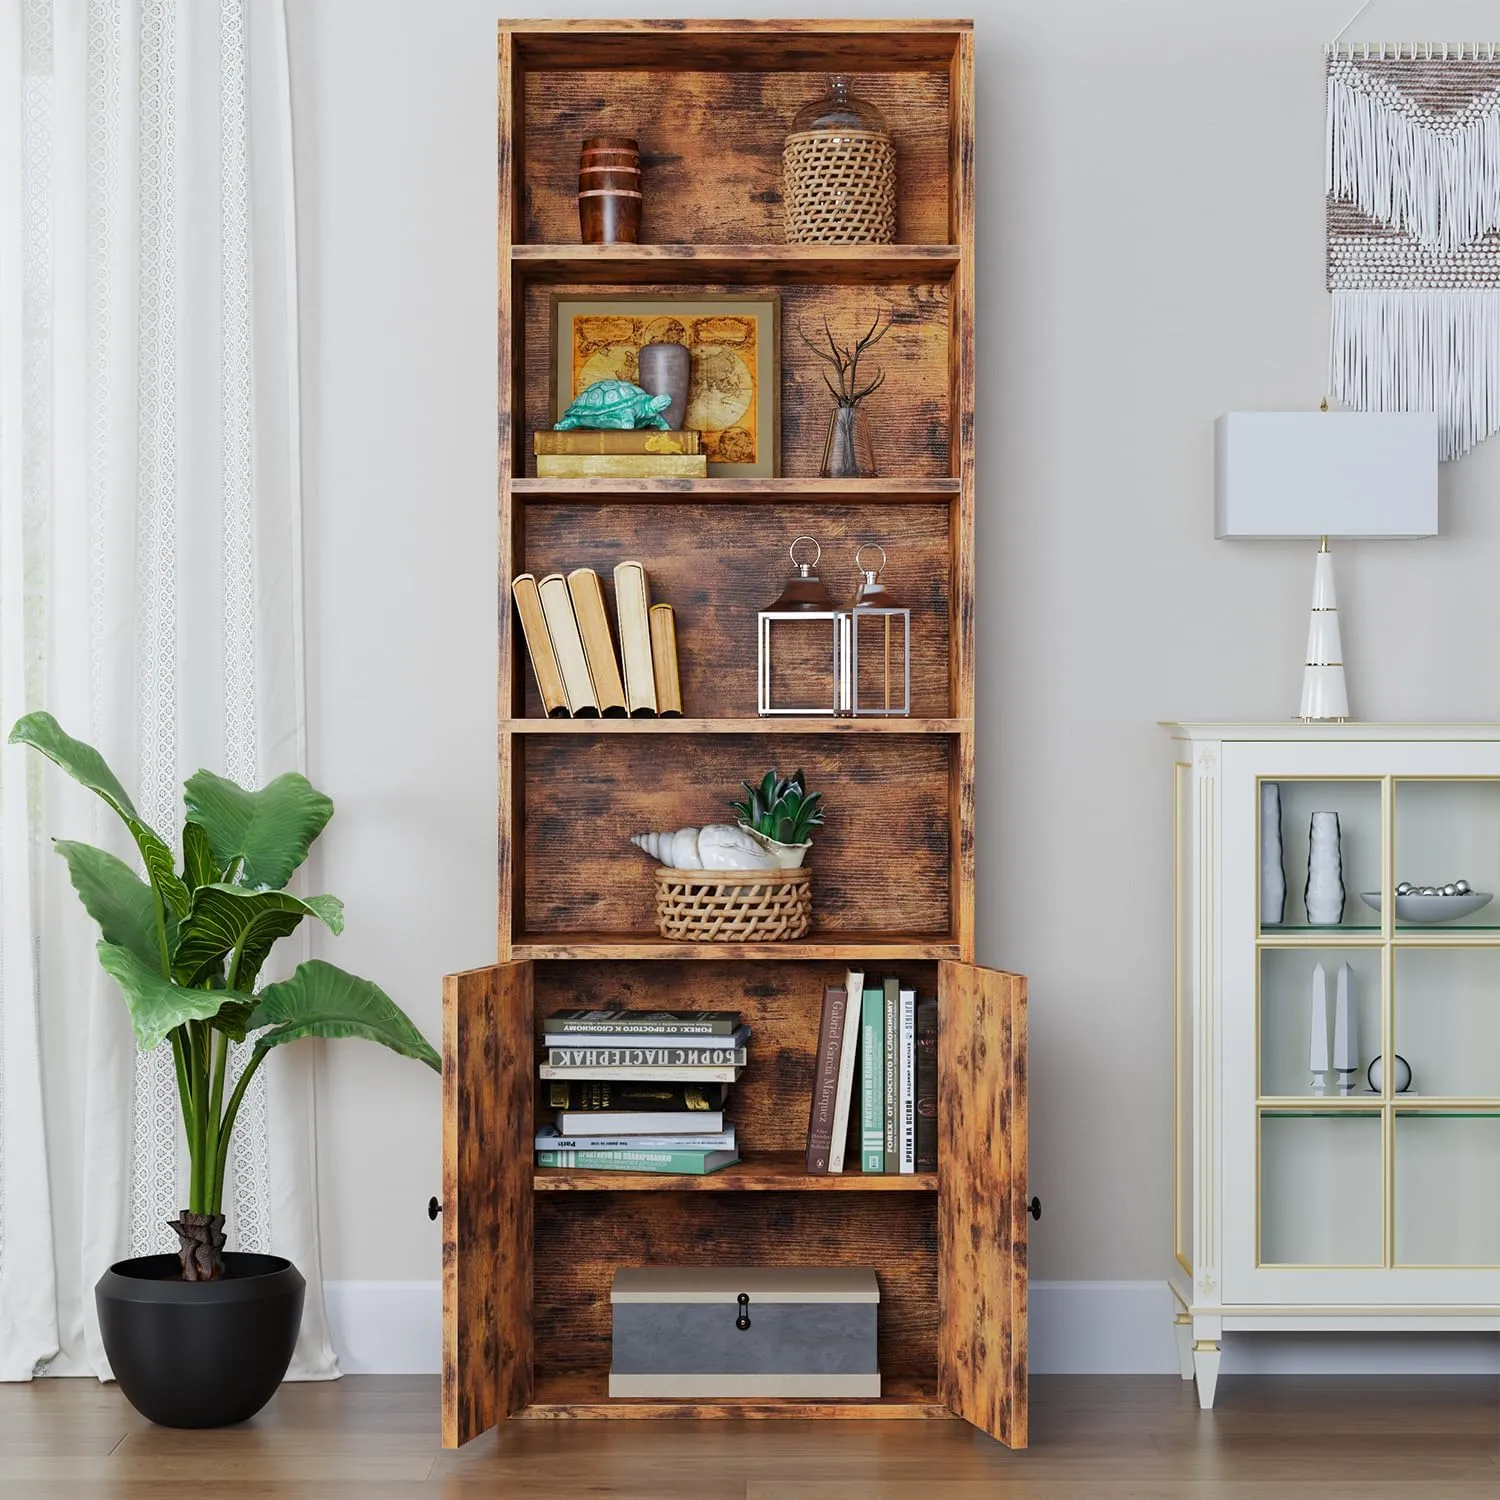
point(1324, 893)
point(664, 371)
point(1272, 875)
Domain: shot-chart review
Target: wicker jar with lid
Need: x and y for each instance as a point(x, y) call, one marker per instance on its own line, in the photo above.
point(839, 172)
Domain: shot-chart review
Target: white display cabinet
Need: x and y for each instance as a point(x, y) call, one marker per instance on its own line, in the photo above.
point(1345, 1206)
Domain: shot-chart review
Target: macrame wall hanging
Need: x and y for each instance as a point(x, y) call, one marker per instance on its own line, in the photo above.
point(1414, 233)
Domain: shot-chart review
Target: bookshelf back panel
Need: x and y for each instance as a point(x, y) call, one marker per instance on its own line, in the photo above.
point(880, 864)
point(717, 565)
point(582, 1238)
point(782, 1003)
point(909, 414)
point(711, 149)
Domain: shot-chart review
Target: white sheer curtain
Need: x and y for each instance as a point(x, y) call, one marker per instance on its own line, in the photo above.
point(150, 597)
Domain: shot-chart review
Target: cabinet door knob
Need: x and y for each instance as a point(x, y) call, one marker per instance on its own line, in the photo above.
point(743, 1321)
point(434, 1208)
point(1034, 1208)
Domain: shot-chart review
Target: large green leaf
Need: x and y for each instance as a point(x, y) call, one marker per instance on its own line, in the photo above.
point(270, 830)
point(88, 768)
point(224, 918)
point(157, 1006)
point(199, 867)
point(321, 1000)
point(116, 898)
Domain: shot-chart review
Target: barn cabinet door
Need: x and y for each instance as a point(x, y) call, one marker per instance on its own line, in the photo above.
point(982, 1198)
point(488, 1062)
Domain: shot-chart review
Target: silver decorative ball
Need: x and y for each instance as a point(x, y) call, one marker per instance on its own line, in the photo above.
point(1430, 890)
point(1404, 889)
point(1450, 890)
point(1376, 1075)
point(1462, 887)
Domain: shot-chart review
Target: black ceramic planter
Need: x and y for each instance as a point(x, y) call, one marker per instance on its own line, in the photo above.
point(200, 1353)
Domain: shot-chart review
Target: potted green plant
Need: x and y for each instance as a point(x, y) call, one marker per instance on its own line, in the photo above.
point(781, 814)
point(203, 1338)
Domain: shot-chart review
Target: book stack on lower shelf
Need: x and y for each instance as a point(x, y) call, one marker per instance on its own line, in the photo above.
point(640, 1091)
point(643, 453)
point(878, 1031)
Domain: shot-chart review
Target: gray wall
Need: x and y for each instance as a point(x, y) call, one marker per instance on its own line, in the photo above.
point(1150, 191)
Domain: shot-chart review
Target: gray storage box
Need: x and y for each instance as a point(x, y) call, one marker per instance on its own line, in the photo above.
point(697, 1333)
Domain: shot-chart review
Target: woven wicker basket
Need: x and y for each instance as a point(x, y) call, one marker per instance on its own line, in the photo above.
point(733, 906)
point(839, 188)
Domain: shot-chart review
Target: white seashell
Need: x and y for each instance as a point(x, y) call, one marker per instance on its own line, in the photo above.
point(678, 851)
point(719, 846)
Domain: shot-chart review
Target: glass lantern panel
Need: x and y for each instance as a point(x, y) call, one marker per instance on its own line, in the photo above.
point(1448, 1021)
point(1286, 1012)
point(1320, 1189)
point(881, 667)
point(1447, 831)
point(1447, 1209)
point(798, 664)
point(1357, 804)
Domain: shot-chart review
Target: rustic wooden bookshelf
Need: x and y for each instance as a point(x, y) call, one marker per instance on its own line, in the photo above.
point(528, 1253)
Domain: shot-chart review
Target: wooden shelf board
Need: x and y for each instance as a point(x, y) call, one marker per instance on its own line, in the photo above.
point(737, 491)
point(856, 947)
point(757, 265)
point(737, 726)
point(586, 1395)
point(763, 1172)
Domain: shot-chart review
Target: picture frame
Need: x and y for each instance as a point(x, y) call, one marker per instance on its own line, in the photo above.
point(734, 397)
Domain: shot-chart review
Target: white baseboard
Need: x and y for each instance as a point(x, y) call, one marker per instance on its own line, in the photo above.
point(1077, 1328)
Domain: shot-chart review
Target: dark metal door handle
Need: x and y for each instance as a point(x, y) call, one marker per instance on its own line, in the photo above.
point(1034, 1208)
point(434, 1208)
point(743, 1321)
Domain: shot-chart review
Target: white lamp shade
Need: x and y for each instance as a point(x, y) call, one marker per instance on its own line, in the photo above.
point(1334, 474)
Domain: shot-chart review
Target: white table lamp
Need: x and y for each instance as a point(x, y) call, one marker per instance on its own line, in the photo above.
point(1318, 475)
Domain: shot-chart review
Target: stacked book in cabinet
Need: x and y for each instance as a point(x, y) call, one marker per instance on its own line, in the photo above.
point(529, 1251)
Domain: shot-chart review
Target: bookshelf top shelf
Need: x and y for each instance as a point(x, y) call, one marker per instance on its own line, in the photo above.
point(857, 947)
point(766, 1172)
point(758, 265)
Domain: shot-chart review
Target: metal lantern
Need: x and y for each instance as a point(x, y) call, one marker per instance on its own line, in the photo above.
point(876, 631)
point(804, 604)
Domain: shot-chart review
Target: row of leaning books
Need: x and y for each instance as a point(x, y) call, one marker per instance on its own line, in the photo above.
point(640, 1091)
point(882, 1035)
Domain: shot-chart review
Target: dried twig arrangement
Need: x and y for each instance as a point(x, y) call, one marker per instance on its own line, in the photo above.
point(845, 362)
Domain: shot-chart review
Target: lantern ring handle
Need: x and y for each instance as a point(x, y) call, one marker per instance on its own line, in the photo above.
point(792, 551)
point(881, 550)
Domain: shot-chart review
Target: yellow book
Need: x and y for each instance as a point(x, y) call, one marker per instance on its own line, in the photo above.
point(598, 644)
point(621, 466)
point(641, 440)
point(562, 626)
point(664, 661)
point(633, 601)
point(539, 645)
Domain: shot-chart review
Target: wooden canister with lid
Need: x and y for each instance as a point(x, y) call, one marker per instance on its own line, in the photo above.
point(609, 190)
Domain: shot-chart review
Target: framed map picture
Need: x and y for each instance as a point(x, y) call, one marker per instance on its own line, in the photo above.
point(734, 393)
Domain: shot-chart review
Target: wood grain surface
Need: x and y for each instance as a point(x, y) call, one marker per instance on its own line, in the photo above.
point(982, 1197)
point(909, 415)
point(781, 1003)
point(488, 1065)
point(581, 1238)
point(719, 565)
point(881, 859)
point(703, 184)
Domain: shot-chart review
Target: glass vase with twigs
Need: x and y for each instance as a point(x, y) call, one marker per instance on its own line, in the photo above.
point(849, 450)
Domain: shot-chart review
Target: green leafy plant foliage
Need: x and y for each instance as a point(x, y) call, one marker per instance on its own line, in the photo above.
point(187, 949)
point(781, 808)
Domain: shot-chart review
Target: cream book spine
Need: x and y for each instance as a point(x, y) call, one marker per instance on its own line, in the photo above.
point(664, 661)
point(539, 645)
point(598, 643)
point(562, 626)
point(633, 601)
point(621, 466)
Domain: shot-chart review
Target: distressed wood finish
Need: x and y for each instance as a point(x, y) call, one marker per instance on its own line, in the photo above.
point(909, 414)
point(982, 1197)
point(863, 948)
point(834, 727)
point(582, 1238)
point(754, 1173)
point(702, 184)
point(753, 265)
point(572, 1394)
point(738, 491)
point(487, 1082)
point(585, 797)
point(717, 565)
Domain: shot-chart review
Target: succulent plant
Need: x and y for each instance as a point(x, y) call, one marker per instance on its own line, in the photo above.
point(781, 808)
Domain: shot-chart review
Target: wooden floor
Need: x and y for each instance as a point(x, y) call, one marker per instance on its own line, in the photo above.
point(1129, 1437)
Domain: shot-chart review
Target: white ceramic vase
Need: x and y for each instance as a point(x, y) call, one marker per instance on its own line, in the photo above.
point(1272, 875)
point(1324, 893)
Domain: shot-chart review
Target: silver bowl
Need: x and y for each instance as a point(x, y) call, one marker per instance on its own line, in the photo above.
point(1432, 908)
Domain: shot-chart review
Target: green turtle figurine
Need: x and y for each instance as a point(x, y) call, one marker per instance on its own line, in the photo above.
point(614, 404)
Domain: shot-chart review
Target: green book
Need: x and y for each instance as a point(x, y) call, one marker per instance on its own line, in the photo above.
point(891, 1102)
point(872, 1081)
point(689, 1163)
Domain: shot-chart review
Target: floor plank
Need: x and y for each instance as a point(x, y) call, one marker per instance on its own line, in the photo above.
point(1141, 1438)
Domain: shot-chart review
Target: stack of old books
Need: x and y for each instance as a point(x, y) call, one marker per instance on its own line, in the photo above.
point(640, 1091)
point(644, 453)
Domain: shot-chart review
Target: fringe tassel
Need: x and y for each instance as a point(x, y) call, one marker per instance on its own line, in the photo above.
point(1421, 351)
point(1441, 186)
